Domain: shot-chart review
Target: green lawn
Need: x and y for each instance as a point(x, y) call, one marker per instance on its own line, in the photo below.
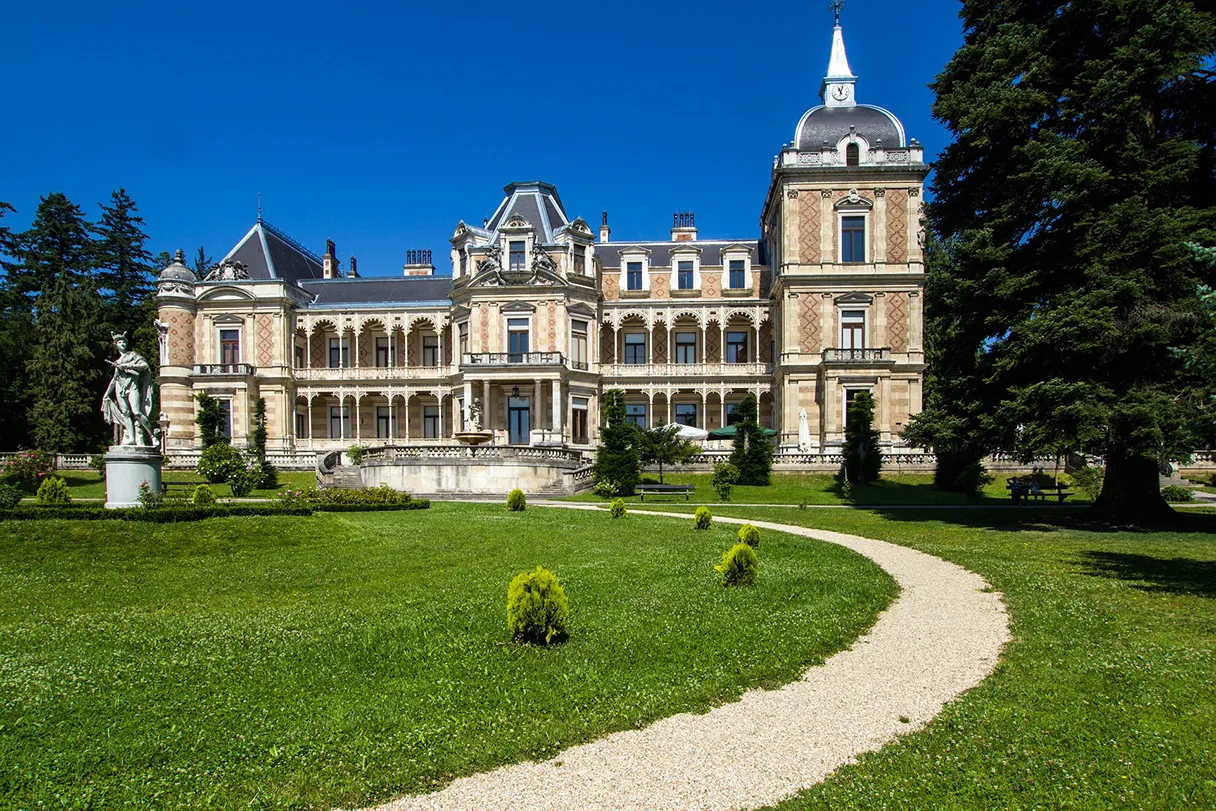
point(822, 488)
point(347, 658)
point(1105, 697)
point(89, 484)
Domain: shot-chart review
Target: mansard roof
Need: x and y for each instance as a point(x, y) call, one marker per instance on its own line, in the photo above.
point(827, 125)
point(609, 253)
point(268, 253)
point(536, 203)
point(378, 290)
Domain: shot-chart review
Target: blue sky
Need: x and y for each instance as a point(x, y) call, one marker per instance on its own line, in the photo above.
point(382, 126)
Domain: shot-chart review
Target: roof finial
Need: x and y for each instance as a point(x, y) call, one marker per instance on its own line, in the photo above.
point(259, 206)
point(836, 6)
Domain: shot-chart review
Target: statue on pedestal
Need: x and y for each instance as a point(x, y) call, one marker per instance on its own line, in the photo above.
point(127, 404)
point(473, 423)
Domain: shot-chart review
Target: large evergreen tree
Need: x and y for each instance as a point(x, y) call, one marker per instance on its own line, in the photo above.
point(617, 458)
point(57, 255)
point(1083, 159)
point(862, 454)
point(752, 452)
point(124, 269)
point(16, 324)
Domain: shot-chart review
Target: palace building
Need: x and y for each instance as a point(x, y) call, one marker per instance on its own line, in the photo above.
point(541, 313)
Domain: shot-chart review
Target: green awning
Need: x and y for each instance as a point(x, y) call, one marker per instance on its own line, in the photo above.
point(729, 432)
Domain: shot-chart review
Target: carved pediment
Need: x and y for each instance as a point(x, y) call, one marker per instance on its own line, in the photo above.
point(518, 307)
point(854, 201)
point(228, 271)
point(516, 223)
point(580, 226)
point(578, 308)
point(855, 298)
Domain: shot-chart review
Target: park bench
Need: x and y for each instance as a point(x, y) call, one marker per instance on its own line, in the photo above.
point(184, 489)
point(660, 489)
point(1023, 493)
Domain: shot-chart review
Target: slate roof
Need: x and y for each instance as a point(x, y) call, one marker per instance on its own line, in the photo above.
point(268, 253)
point(830, 124)
point(378, 290)
point(536, 202)
point(609, 253)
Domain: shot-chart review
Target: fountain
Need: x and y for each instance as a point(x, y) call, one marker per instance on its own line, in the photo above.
point(473, 434)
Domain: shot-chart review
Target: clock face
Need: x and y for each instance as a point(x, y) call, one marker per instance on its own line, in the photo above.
point(840, 92)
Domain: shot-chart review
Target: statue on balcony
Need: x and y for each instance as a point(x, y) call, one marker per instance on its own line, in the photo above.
point(127, 404)
point(473, 423)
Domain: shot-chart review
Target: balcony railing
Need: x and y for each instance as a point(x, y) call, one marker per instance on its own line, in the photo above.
point(324, 373)
point(856, 355)
point(513, 359)
point(224, 369)
point(686, 369)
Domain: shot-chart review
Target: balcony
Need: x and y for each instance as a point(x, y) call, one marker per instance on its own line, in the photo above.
point(686, 369)
point(504, 359)
point(323, 373)
point(857, 356)
point(224, 369)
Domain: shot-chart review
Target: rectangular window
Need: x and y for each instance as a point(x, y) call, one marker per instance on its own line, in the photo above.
point(578, 420)
point(736, 274)
point(384, 423)
point(636, 414)
point(686, 347)
point(430, 422)
point(430, 350)
point(339, 422)
point(580, 260)
point(684, 276)
point(339, 353)
point(852, 329)
point(517, 339)
point(518, 256)
point(732, 413)
point(464, 338)
point(736, 347)
point(230, 346)
point(225, 418)
point(633, 275)
point(299, 356)
point(635, 347)
point(853, 239)
point(686, 414)
point(382, 352)
point(301, 425)
point(578, 344)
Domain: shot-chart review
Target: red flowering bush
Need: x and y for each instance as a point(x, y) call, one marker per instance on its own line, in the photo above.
point(27, 469)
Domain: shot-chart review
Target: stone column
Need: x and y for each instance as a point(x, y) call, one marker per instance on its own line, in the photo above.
point(555, 417)
point(537, 420)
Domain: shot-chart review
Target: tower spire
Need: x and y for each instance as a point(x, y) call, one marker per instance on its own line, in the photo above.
point(837, 87)
point(836, 6)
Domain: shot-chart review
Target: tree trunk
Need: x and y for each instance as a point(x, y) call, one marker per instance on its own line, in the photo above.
point(1131, 492)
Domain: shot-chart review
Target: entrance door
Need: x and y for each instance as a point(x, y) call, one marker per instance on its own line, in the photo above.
point(519, 422)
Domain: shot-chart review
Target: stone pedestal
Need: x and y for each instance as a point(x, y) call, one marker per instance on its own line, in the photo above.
point(127, 467)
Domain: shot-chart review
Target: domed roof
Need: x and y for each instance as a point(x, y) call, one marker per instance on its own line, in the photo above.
point(827, 125)
point(177, 272)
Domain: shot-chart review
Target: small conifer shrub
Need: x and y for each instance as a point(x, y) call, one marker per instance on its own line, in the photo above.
point(702, 518)
point(203, 494)
point(538, 612)
point(739, 565)
point(618, 508)
point(516, 501)
point(750, 535)
point(53, 490)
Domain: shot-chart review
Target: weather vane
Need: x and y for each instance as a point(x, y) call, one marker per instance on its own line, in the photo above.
point(836, 6)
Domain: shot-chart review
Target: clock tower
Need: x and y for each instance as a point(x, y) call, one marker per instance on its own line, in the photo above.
point(837, 87)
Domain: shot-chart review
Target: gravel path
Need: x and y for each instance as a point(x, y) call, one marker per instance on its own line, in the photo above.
point(941, 636)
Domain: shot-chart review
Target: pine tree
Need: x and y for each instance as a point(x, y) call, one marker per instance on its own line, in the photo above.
point(1084, 156)
point(16, 325)
point(202, 263)
point(752, 452)
point(617, 459)
point(124, 269)
point(862, 454)
point(57, 254)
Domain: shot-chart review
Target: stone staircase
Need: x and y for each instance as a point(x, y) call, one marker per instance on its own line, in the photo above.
point(347, 477)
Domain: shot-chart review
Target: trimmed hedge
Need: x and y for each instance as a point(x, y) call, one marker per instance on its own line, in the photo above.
point(618, 508)
point(190, 512)
point(517, 501)
point(739, 565)
point(538, 612)
point(702, 518)
point(750, 535)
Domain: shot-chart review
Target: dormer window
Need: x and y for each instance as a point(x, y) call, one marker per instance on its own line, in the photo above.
point(633, 276)
point(852, 155)
point(684, 275)
point(518, 253)
point(580, 261)
point(737, 268)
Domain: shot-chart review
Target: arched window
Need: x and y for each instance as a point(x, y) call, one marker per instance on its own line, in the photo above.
point(852, 155)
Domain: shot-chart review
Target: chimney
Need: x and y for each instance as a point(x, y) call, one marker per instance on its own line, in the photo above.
point(329, 262)
point(604, 229)
point(354, 268)
point(683, 227)
point(418, 262)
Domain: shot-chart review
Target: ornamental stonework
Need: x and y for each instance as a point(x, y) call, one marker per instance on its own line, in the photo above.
point(713, 346)
point(552, 308)
point(897, 226)
point(660, 285)
point(897, 322)
point(810, 251)
point(809, 338)
point(264, 330)
point(660, 344)
point(711, 284)
point(607, 344)
point(611, 287)
point(181, 338)
point(485, 327)
point(766, 339)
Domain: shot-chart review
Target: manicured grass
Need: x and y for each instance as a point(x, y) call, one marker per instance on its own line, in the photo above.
point(1105, 697)
point(345, 659)
point(822, 488)
point(89, 484)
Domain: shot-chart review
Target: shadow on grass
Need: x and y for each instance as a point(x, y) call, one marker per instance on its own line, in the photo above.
point(1169, 575)
point(1050, 518)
